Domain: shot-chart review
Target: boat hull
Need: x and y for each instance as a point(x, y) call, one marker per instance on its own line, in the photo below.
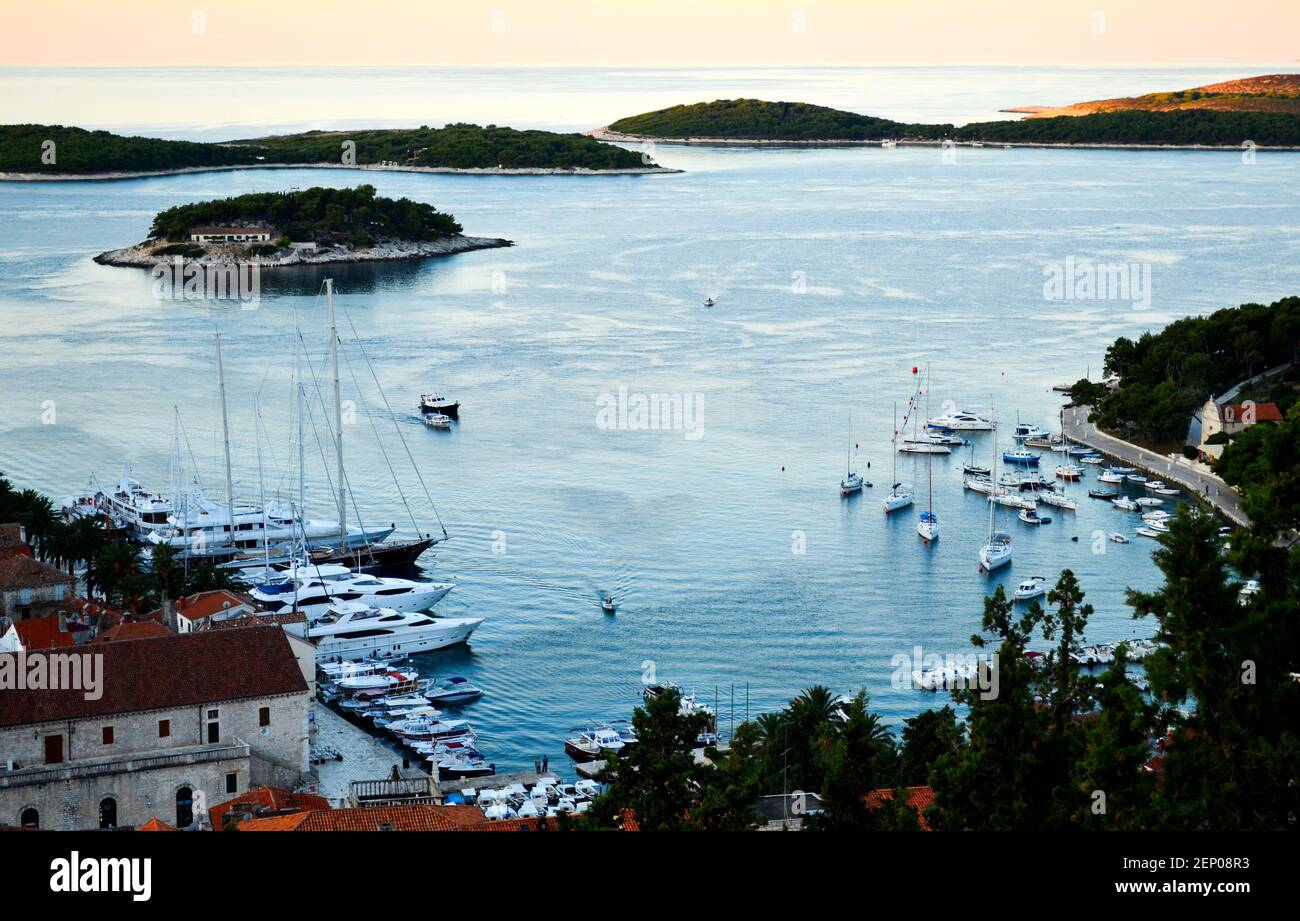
point(451, 632)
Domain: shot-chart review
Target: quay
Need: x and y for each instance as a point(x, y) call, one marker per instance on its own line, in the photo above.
point(1194, 478)
point(527, 778)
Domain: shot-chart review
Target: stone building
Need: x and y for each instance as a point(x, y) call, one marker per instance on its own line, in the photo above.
point(179, 723)
point(30, 588)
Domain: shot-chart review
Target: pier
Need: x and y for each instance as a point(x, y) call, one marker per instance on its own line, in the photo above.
point(1193, 478)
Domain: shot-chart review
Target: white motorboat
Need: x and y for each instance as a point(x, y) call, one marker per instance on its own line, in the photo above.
point(202, 528)
point(1092, 459)
point(1110, 476)
point(1124, 503)
point(1033, 587)
point(1118, 538)
point(1124, 470)
point(1009, 500)
point(468, 763)
point(1148, 532)
point(1092, 655)
point(136, 510)
point(596, 742)
point(921, 446)
point(1158, 526)
point(312, 588)
point(1249, 589)
point(350, 629)
point(1149, 501)
point(437, 404)
point(1156, 515)
point(1135, 478)
point(426, 729)
point(1030, 516)
point(452, 691)
point(377, 681)
point(437, 421)
point(1025, 430)
point(965, 420)
point(1068, 472)
point(1165, 491)
point(888, 144)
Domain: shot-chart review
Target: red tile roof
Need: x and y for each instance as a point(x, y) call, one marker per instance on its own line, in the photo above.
point(24, 572)
point(919, 798)
point(42, 633)
point(420, 817)
point(132, 630)
point(1241, 412)
point(11, 541)
point(170, 671)
point(268, 800)
point(156, 824)
point(205, 604)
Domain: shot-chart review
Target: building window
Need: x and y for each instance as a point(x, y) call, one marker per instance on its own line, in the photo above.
point(54, 749)
point(30, 819)
point(264, 716)
point(59, 591)
point(184, 807)
point(108, 813)
point(25, 596)
point(214, 727)
point(108, 735)
point(164, 729)
point(232, 783)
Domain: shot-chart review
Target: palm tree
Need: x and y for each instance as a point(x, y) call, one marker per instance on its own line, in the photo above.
point(112, 571)
point(85, 538)
point(36, 514)
point(208, 578)
point(168, 580)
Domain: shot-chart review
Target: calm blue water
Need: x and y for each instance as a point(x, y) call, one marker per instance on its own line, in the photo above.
point(835, 272)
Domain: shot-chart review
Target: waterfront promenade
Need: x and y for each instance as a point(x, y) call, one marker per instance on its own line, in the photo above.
point(1192, 477)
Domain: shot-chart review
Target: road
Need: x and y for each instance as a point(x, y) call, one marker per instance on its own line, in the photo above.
point(1208, 486)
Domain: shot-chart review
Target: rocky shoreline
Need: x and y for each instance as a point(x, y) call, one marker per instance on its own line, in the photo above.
point(146, 256)
point(442, 170)
point(604, 134)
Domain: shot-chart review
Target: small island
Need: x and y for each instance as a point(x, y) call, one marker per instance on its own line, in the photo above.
point(309, 227)
point(1230, 120)
point(35, 152)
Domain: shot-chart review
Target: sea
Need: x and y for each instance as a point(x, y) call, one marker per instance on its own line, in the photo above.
point(841, 279)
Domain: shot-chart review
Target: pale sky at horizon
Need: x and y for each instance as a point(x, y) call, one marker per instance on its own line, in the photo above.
point(666, 32)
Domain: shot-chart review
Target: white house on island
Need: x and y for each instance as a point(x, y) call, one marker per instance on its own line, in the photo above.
point(230, 234)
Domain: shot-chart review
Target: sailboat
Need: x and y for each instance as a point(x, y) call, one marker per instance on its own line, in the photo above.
point(852, 482)
point(1065, 473)
point(997, 552)
point(928, 524)
point(900, 494)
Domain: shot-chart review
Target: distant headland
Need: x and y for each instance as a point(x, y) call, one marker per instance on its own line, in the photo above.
point(53, 152)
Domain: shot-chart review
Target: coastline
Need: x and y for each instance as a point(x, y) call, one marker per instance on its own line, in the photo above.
point(441, 170)
point(604, 134)
point(142, 256)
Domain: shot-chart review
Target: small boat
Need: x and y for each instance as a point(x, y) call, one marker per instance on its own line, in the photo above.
point(887, 144)
point(437, 421)
point(900, 494)
point(1057, 499)
point(1165, 491)
point(1158, 525)
point(607, 605)
point(590, 744)
point(453, 691)
point(1148, 532)
point(1021, 456)
point(1107, 476)
point(437, 403)
point(1092, 655)
point(980, 484)
point(1118, 538)
point(1249, 589)
point(920, 446)
point(997, 552)
point(852, 481)
point(1024, 430)
point(1006, 500)
point(1102, 494)
point(1149, 501)
point(974, 470)
point(1124, 503)
point(1039, 443)
point(1155, 484)
point(1124, 470)
point(1033, 587)
point(470, 763)
point(1029, 516)
point(1156, 515)
point(708, 302)
point(1090, 459)
point(928, 526)
point(1135, 478)
point(1068, 472)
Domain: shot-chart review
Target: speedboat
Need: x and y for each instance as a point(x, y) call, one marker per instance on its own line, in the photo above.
point(1092, 655)
point(997, 552)
point(966, 420)
point(899, 497)
point(1021, 456)
point(453, 691)
point(311, 589)
point(439, 404)
point(1148, 532)
point(1029, 516)
point(1025, 430)
point(1135, 478)
point(1149, 501)
point(349, 629)
point(1102, 494)
point(607, 605)
point(851, 483)
point(1033, 587)
point(1110, 476)
point(464, 763)
point(437, 421)
point(928, 526)
point(1118, 538)
point(590, 744)
point(1158, 526)
point(708, 302)
point(1124, 503)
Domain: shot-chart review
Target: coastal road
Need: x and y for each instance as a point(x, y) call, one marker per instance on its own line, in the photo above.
point(1206, 485)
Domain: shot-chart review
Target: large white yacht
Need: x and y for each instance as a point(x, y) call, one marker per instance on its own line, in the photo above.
point(313, 588)
point(350, 629)
point(965, 420)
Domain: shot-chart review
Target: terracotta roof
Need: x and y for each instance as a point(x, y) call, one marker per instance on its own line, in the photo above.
point(269, 800)
point(419, 817)
point(205, 604)
point(919, 798)
point(252, 620)
point(156, 824)
point(132, 630)
point(86, 608)
point(534, 824)
point(1240, 412)
point(170, 671)
point(25, 572)
point(42, 633)
point(11, 540)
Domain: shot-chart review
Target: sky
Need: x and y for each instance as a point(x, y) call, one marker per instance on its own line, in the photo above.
point(637, 32)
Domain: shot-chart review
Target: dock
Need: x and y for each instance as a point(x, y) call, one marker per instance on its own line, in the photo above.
point(1192, 477)
point(527, 778)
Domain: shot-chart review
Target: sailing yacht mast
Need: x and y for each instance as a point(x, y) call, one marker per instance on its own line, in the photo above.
point(338, 416)
point(225, 437)
point(261, 483)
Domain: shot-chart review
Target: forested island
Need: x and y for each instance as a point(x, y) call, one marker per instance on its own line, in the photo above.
point(315, 225)
point(1268, 93)
point(52, 151)
point(756, 121)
